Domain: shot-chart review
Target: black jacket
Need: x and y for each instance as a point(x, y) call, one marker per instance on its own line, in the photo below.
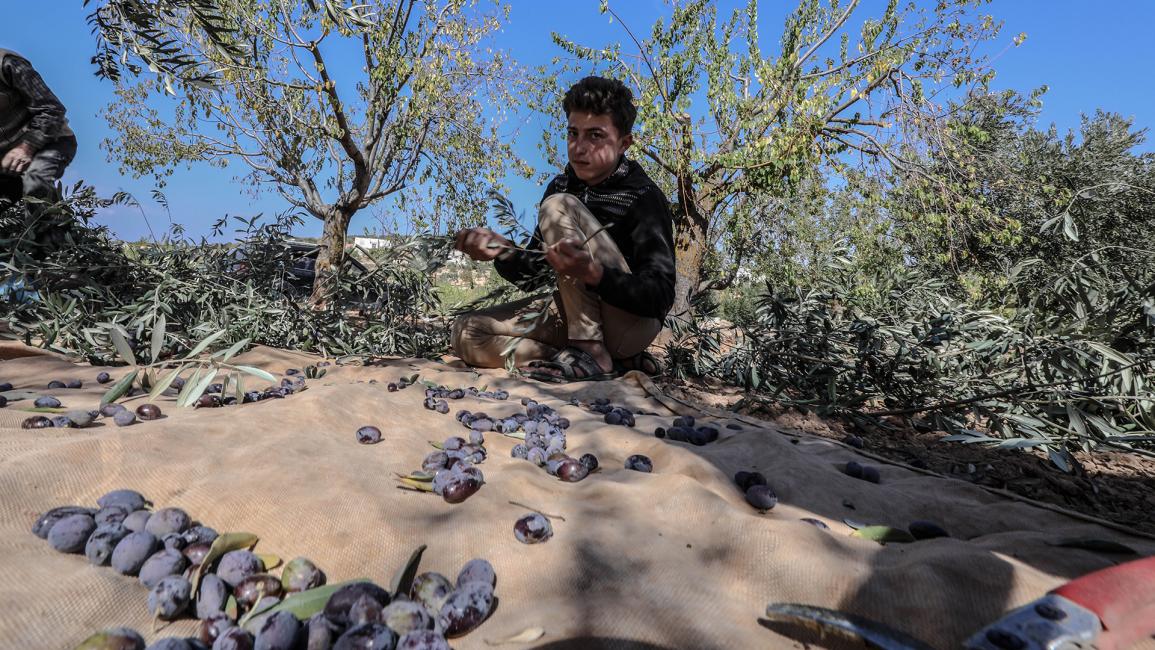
point(642, 228)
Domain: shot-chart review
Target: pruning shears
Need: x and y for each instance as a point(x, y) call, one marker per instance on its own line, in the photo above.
point(1110, 609)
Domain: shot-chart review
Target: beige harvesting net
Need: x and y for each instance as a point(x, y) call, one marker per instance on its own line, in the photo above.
point(672, 559)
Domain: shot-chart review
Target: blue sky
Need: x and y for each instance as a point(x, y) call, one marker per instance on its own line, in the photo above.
point(1091, 55)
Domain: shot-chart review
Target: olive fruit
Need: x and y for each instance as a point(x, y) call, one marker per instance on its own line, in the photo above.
point(571, 470)
point(75, 383)
point(520, 450)
point(466, 608)
point(103, 377)
point(36, 422)
point(137, 520)
point(54, 384)
point(111, 515)
point(211, 597)
point(369, 636)
point(590, 461)
point(46, 521)
point(130, 500)
point(207, 401)
point(300, 574)
point(639, 463)
point(124, 418)
point(237, 565)
point(870, 473)
point(532, 529)
point(460, 487)
point(278, 632)
point(120, 638)
point(160, 565)
point(148, 411)
point(109, 410)
point(255, 587)
point(761, 497)
point(405, 616)
point(368, 435)
point(747, 479)
point(98, 549)
point(199, 534)
point(213, 627)
point(337, 607)
point(62, 422)
point(477, 570)
point(168, 520)
point(853, 469)
point(70, 534)
point(318, 633)
point(80, 418)
point(169, 597)
point(47, 402)
point(133, 551)
point(234, 638)
point(431, 589)
point(422, 640)
point(364, 610)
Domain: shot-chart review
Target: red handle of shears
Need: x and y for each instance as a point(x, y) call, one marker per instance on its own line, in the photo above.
point(1123, 597)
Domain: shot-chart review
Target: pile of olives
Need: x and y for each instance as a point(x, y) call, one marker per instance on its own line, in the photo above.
point(683, 429)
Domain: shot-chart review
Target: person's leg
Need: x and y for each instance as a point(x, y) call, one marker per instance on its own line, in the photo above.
point(603, 331)
point(532, 325)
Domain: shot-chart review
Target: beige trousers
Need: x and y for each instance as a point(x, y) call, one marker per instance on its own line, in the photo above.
point(537, 327)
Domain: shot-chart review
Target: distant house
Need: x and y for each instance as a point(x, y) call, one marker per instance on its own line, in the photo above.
point(369, 243)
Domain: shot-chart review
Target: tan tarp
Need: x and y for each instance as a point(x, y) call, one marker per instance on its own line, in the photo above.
point(672, 559)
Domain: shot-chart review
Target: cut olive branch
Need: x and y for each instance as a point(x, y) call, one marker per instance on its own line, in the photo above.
point(494, 245)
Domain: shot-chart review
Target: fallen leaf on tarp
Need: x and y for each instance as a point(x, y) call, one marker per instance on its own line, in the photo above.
point(271, 561)
point(528, 635)
point(403, 580)
point(221, 545)
point(1096, 545)
point(884, 534)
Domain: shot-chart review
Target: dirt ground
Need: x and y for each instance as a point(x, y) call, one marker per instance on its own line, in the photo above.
point(1117, 487)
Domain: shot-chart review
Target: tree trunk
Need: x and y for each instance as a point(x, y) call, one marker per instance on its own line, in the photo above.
point(689, 255)
point(331, 256)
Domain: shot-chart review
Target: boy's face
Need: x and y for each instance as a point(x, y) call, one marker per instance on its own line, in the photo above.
point(594, 145)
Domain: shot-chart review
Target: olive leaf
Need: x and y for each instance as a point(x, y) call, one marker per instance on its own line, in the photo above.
point(304, 604)
point(270, 560)
point(420, 486)
point(200, 347)
point(257, 372)
point(122, 346)
point(120, 388)
point(403, 580)
point(158, 332)
point(199, 389)
point(164, 383)
point(884, 534)
point(221, 545)
point(189, 385)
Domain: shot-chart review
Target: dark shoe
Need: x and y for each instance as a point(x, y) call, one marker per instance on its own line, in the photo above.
point(568, 365)
point(643, 361)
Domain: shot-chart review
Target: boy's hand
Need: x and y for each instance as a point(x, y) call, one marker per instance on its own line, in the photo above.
point(18, 159)
point(481, 244)
point(567, 257)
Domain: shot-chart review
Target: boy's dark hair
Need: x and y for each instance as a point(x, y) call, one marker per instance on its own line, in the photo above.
point(602, 96)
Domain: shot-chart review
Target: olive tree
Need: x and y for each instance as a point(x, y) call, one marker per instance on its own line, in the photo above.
point(332, 104)
point(726, 124)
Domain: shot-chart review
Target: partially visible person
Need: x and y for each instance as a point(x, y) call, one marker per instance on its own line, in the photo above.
point(605, 230)
point(36, 144)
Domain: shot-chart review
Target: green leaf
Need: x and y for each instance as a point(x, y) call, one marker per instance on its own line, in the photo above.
point(305, 603)
point(239, 387)
point(232, 351)
point(221, 545)
point(403, 580)
point(120, 388)
point(204, 344)
point(122, 347)
point(189, 385)
point(884, 534)
point(164, 383)
point(199, 389)
point(257, 372)
point(158, 331)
